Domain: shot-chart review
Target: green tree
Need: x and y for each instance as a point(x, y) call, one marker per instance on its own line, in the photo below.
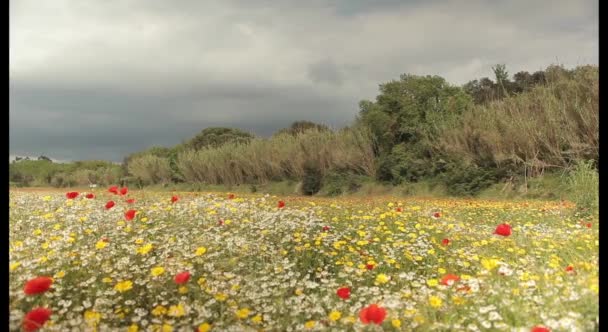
point(218, 136)
point(300, 127)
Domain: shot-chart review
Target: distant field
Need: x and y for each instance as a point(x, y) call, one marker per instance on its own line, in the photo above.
point(314, 264)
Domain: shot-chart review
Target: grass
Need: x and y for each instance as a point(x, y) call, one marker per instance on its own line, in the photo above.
point(278, 269)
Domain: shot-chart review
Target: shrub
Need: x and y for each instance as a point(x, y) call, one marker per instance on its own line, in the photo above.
point(467, 179)
point(311, 182)
point(583, 182)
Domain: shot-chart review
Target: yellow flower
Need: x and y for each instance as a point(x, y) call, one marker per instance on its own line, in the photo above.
point(133, 328)
point(458, 300)
point(489, 264)
point(139, 241)
point(310, 324)
point(435, 301)
point(60, 274)
point(299, 291)
point(156, 271)
point(144, 249)
point(257, 319)
point(441, 270)
point(221, 297)
point(159, 310)
point(382, 278)
point(396, 323)
point(432, 282)
point(38, 232)
point(242, 313)
point(101, 244)
point(106, 280)
point(177, 310)
point(183, 290)
point(124, 286)
point(92, 317)
point(200, 251)
point(335, 315)
point(167, 328)
point(205, 327)
point(14, 266)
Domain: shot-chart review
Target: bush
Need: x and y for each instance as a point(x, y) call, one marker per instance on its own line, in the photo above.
point(583, 182)
point(338, 182)
point(468, 180)
point(311, 182)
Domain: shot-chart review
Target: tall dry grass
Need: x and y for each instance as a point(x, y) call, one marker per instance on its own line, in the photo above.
point(550, 126)
point(280, 157)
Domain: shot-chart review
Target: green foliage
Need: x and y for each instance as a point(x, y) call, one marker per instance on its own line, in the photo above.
point(300, 127)
point(461, 179)
point(583, 182)
point(311, 182)
point(338, 182)
point(214, 137)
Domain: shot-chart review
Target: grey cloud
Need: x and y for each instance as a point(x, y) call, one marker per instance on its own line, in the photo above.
point(100, 79)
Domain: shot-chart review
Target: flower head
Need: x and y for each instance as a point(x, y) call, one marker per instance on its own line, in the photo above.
point(36, 318)
point(110, 204)
point(343, 293)
point(503, 230)
point(449, 279)
point(372, 314)
point(129, 215)
point(281, 204)
point(37, 285)
point(182, 278)
point(71, 194)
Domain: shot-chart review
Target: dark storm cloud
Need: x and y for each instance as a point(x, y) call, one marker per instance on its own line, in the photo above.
point(100, 79)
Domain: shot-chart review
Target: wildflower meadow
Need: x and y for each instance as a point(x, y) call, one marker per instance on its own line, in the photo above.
point(121, 260)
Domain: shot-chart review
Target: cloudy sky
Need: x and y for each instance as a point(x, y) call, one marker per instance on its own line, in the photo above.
point(94, 79)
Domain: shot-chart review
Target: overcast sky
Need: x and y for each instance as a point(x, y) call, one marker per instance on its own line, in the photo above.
point(94, 79)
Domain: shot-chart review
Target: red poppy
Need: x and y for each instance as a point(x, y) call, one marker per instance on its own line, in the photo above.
point(230, 196)
point(569, 268)
point(90, 196)
point(124, 191)
point(589, 225)
point(399, 209)
point(36, 318)
point(130, 214)
point(436, 214)
point(182, 278)
point(343, 293)
point(325, 228)
point(540, 328)
point(71, 194)
point(130, 200)
point(37, 285)
point(113, 189)
point(369, 266)
point(372, 314)
point(449, 279)
point(281, 204)
point(220, 222)
point(110, 204)
point(503, 230)
point(174, 199)
point(445, 242)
